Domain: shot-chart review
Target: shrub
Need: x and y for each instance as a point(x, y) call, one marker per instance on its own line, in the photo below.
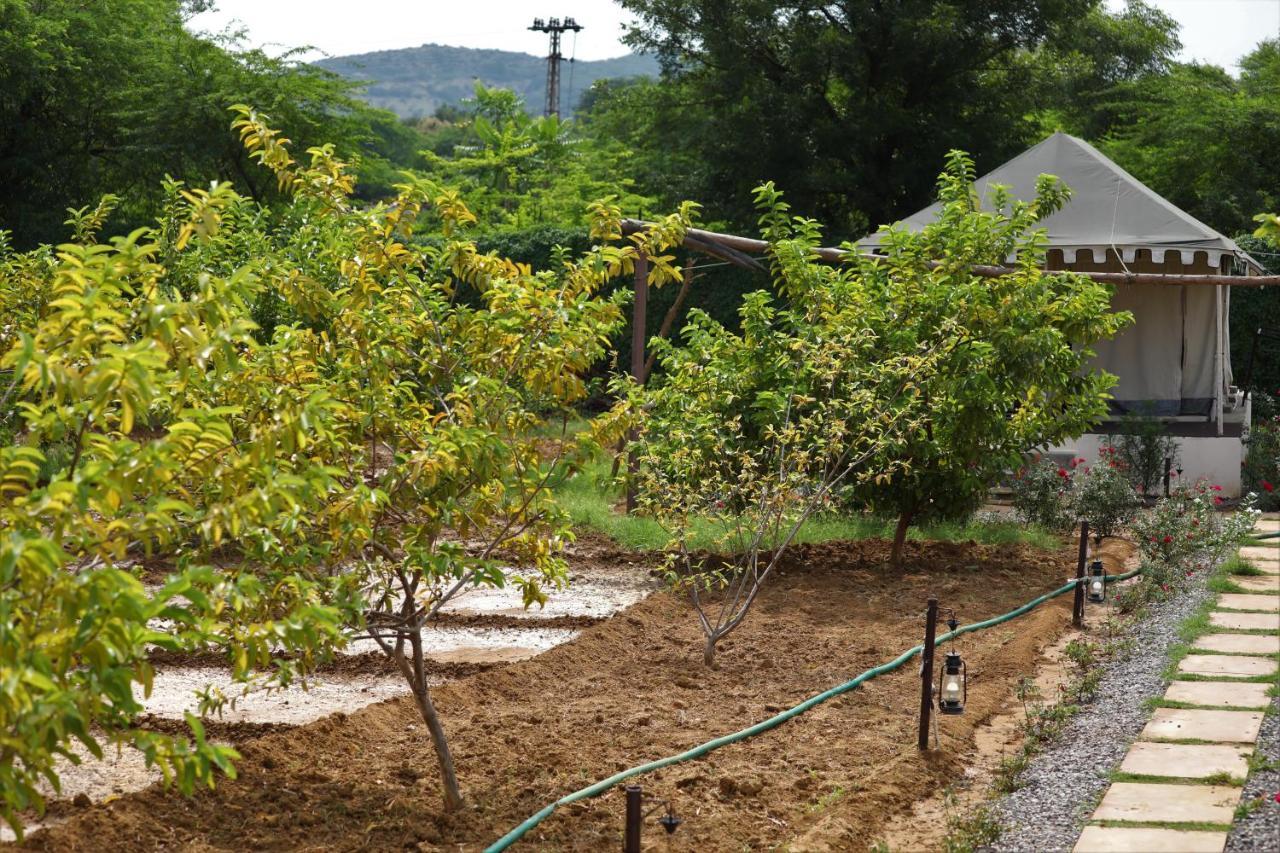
point(1142, 449)
point(1185, 530)
point(1103, 496)
point(1261, 471)
point(1042, 494)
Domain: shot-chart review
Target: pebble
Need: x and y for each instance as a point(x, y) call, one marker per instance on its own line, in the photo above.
point(1065, 782)
point(1260, 829)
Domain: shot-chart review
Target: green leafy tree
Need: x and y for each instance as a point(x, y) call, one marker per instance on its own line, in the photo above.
point(847, 104)
point(111, 96)
point(1014, 372)
point(752, 433)
point(346, 474)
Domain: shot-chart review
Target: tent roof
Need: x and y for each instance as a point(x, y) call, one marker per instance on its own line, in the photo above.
point(1109, 208)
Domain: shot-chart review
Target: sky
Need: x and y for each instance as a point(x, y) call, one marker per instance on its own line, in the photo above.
point(1214, 31)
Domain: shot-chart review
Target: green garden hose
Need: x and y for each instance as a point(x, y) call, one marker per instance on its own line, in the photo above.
point(1258, 536)
point(702, 749)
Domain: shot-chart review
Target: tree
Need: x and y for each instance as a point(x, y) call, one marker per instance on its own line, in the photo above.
point(523, 171)
point(846, 104)
point(750, 434)
point(351, 472)
point(1014, 371)
point(113, 96)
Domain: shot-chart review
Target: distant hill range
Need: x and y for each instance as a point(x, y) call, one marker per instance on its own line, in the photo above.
point(413, 81)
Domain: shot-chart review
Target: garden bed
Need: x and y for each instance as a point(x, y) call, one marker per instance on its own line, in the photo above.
point(630, 689)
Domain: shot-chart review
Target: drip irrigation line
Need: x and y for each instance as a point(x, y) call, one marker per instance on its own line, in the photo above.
point(1258, 536)
point(603, 785)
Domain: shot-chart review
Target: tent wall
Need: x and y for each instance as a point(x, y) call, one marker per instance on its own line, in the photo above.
point(1166, 361)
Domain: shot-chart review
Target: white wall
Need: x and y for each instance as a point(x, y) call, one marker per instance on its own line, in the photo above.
point(1215, 459)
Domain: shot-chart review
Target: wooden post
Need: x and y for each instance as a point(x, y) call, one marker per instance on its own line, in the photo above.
point(1077, 608)
point(638, 339)
point(926, 671)
point(631, 838)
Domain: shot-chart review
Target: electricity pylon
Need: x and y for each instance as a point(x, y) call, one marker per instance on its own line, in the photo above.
point(555, 27)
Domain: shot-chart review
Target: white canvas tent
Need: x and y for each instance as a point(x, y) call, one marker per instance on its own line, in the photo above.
point(1174, 361)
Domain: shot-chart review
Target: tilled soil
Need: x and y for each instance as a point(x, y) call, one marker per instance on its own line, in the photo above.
point(632, 689)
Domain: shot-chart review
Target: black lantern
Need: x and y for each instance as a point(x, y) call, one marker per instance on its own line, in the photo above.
point(1097, 582)
point(953, 687)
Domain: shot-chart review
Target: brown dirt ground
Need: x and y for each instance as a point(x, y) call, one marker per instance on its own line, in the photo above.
point(629, 690)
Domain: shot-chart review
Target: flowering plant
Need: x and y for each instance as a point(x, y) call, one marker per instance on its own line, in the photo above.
point(1185, 528)
point(1103, 496)
point(1041, 493)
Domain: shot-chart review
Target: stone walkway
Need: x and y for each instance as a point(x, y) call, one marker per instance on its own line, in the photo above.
point(1202, 746)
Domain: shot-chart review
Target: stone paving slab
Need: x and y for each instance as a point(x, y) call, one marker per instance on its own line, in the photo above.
point(1235, 694)
point(1264, 553)
point(1258, 583)
point(1238, 666)
point(1191, 761)
point(1241, 601)
point(1238, 644)
point(1244, 621)
point(1133, 839)
point(1220, 726)
point(1134, 801)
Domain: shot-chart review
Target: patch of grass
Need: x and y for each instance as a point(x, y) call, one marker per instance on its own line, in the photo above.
point(1247, 807)
point(968, 831)
point(1242, 679)
point(1238, 565)
point(1160, 702)
point(1189, 826)
point(1147, 778)
point(593, 503)
point(1223, 583)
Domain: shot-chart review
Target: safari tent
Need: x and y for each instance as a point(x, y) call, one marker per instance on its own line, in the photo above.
point(1174, 362)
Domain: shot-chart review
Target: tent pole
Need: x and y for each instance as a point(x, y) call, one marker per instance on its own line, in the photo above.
point(1218, 372)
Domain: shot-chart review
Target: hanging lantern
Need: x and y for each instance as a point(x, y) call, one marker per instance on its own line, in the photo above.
point(1097, 582)
point(953, 688)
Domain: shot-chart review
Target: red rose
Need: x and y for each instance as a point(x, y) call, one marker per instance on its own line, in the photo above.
point(1195, 522)
point(1217, 488)
point(1268, 486)
point(1168, 539)
point(1062, 472)
point(1217, 500)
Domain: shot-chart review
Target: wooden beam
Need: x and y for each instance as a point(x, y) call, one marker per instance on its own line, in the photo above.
point(698, 240)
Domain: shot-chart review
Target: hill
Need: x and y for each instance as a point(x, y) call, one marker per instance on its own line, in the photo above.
point(413, 81)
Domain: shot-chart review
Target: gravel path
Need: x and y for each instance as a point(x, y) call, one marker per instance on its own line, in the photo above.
point(1261, 829)
point(1063, 784)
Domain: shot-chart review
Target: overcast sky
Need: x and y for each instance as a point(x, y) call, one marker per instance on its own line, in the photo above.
point(1216, 31)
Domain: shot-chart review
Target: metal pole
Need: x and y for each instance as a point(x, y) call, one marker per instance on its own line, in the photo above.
point(1077, 608)
point(1168, 464)
point(631, 840)
point(926, 672)
point(638, 338)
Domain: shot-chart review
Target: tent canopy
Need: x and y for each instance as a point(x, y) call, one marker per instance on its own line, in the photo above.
point(1109, 208)
point(1174, 359)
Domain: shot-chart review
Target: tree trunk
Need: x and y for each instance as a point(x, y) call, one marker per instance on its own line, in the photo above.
point(900, 538)
point(416, 675)
point(452, 793)
point(709, 652)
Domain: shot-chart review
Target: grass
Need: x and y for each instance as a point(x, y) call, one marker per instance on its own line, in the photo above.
point(592, 504)
point(1189, 826)
point(1238, 565)
point(1154, 702)
point(1147, 778)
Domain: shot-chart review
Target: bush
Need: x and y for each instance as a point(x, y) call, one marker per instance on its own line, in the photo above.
point(1185, 530)
point(1042, 494)
point(1103, 496)
point(1261, 472)
point(1142, 449)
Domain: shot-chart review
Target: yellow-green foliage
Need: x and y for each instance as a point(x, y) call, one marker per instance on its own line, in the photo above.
point(300, 484)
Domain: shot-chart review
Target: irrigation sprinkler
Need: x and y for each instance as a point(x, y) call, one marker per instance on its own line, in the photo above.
point(636, 815)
